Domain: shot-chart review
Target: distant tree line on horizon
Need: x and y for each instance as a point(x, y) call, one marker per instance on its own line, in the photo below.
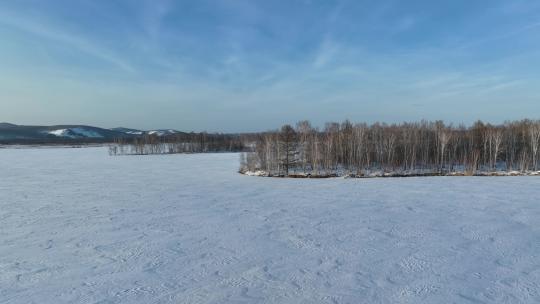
point(178, 143)
point(407, 148)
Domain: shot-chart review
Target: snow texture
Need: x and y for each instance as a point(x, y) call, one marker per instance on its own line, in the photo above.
point(79, 226)
point(86, 133)
point(60, 133)
point(162, 132)
point(134, 132)
point(75, 133)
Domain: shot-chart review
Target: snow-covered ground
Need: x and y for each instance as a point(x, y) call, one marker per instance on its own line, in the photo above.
point(79, 226)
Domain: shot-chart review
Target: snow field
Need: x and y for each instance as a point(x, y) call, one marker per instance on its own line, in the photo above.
point(79, 226)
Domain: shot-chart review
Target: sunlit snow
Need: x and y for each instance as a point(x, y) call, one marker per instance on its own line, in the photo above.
point(79, 226)
point(75, 133)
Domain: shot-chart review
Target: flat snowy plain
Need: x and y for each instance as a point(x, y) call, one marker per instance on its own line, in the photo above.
point(80, 226)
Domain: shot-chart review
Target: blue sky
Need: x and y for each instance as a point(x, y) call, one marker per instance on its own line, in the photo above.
point(241, 65)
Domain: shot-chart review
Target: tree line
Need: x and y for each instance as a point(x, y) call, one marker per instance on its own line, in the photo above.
point(417, 148)
point(178, 143)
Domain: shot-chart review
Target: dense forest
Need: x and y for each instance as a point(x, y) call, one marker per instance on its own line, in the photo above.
point(178, 143)
point(420, 148)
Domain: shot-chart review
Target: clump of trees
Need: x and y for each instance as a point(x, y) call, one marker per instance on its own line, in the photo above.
point(178, 143)
point(418, 148)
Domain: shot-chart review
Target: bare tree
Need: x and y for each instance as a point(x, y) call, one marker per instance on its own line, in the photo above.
point(288, 146)
point(409, 148)
point(304, 130)
point(534, 137)
point(443, 138)
point(495, 137)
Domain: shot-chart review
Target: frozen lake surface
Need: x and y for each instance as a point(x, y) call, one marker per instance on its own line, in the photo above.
point(79, 226)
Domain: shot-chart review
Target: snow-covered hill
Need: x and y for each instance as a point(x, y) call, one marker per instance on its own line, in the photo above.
point(128, 131)
point(60, 133)
point(78, 132)
point(162, 132)
point(42, 134)
point(158, 132)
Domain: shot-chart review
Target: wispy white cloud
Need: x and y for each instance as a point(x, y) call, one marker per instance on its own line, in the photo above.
point(326, 53)
point(252, 57)
point(61, 36)
point(404, 24)
point(152, 15)
point(501, 36)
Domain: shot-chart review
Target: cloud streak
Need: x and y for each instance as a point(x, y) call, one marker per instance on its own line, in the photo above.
point(502, 36)
point(56, 35)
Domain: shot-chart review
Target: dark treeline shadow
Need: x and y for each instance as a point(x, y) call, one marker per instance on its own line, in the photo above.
point(406, 149)
point(180, 143)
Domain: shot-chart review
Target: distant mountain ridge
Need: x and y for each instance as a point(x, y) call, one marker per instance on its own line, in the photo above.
point(158, 132)
point(6, 125)
point(12, 133)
